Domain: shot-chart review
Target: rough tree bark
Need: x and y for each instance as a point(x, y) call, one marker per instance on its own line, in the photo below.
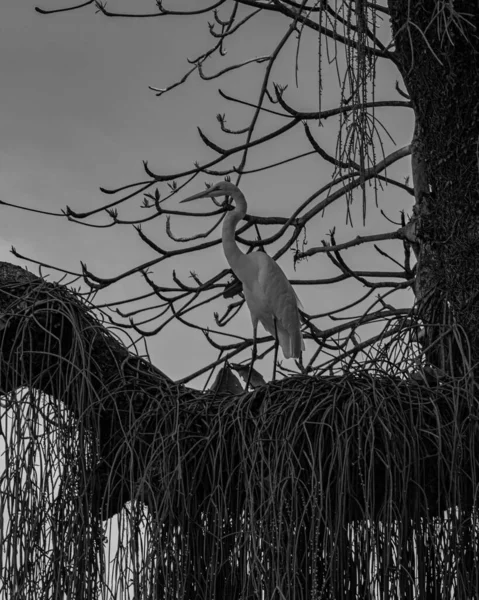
point(439, 61)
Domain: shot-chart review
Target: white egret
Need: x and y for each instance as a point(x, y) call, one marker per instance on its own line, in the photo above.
point(268, 293)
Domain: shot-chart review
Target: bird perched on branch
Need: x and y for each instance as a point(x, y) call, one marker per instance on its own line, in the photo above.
point(268, 293)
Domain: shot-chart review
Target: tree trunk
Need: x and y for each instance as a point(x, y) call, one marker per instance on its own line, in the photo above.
point(437, 48)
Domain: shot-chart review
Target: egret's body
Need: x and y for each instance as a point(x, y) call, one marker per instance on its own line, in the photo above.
point(269, 295)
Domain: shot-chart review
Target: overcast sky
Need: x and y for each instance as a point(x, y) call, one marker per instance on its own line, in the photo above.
point(76, 114)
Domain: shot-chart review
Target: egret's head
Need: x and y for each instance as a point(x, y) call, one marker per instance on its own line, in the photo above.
point(222, 188)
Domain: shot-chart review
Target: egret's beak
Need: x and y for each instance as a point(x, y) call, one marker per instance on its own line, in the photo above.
point(203, 194)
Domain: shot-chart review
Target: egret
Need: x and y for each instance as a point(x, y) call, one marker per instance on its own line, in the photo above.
point(268, 293)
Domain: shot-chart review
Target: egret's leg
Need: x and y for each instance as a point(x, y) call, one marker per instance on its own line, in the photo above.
point(276, 344)
point(253, 355)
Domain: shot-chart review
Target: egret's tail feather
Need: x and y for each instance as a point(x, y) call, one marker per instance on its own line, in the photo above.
point(284, 342)
point(297, 344)
point(291, 345)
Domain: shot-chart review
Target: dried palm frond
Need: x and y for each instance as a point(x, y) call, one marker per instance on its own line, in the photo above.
point(118, 483)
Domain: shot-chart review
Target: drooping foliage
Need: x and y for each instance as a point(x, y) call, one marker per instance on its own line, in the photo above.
point(347, 486)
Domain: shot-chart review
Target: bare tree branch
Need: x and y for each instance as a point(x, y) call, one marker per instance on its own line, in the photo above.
point(357, 241)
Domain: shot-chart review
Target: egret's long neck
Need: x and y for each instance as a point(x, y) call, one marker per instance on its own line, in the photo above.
point(232, 252)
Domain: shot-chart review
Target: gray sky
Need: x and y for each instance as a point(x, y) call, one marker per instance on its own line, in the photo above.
point(76, 114)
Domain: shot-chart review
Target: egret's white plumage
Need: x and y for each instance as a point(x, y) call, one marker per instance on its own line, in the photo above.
point(269, 295)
